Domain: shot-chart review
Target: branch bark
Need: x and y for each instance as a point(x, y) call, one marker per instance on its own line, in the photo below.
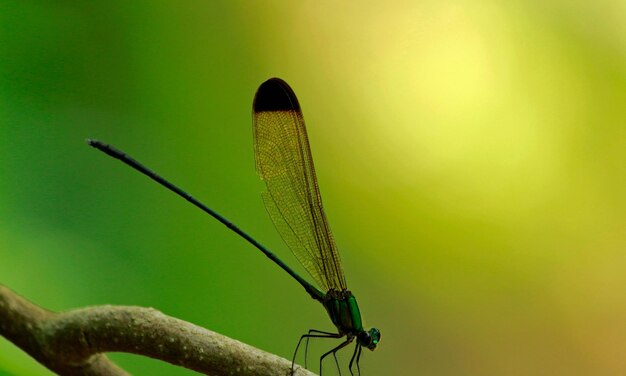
point(74, 342)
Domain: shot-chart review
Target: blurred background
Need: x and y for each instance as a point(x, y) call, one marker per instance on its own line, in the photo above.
point(471, 156)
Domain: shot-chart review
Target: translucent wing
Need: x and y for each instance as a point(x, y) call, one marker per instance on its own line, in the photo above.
point(292, 199)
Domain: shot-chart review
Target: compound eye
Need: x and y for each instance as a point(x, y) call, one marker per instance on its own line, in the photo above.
point(375, 332)
point(375, 335)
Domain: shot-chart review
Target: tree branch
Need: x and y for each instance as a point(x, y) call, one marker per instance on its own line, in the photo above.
point(73, 342)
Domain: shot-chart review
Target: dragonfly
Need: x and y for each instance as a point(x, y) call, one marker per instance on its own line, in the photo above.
point(293, 201)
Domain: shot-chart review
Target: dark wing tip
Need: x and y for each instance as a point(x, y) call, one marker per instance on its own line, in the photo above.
point(275, 95)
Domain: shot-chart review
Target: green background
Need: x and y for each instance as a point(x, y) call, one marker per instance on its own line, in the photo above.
point(471, 156)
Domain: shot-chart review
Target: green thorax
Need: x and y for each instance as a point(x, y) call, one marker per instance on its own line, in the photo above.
point(343, 311)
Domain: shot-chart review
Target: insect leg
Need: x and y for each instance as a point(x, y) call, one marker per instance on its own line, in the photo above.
point(307, 336)
point(333, 351)
point(356, 350)
point(306, 346)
